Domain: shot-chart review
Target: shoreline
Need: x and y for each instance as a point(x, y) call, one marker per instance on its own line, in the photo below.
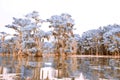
point(94, 56)
point(72, 56)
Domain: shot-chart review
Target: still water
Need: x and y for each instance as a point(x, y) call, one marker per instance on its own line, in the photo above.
point(49, 68)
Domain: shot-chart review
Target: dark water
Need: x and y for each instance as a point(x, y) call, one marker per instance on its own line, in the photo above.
point(40, 68)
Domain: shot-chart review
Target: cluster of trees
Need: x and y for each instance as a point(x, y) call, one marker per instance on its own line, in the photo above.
point(104, 41)
point(30, 39)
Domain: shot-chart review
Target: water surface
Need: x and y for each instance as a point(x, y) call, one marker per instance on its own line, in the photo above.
point(49, 67)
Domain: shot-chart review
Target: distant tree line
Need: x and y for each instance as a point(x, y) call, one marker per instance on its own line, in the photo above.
point(102, 41)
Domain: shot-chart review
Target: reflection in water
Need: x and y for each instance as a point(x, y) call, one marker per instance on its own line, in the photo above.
point(59, 68)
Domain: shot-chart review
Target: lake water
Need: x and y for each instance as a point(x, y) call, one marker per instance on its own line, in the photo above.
point(58, 68)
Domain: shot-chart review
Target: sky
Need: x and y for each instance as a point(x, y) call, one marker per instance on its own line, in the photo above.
point(88, 14)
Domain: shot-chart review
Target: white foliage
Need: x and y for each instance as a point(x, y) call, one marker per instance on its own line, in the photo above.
point(77, 37)
point(48, 33)
point(29, 27)
point(3, 33)
point(21, 22)
point(91, 33)
point(48, 47)
point(111, 32)
point(40, 33)
point(110, 27)
point(61, 20)
point(111, 38)
point(34, 14)
point(33, 50)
